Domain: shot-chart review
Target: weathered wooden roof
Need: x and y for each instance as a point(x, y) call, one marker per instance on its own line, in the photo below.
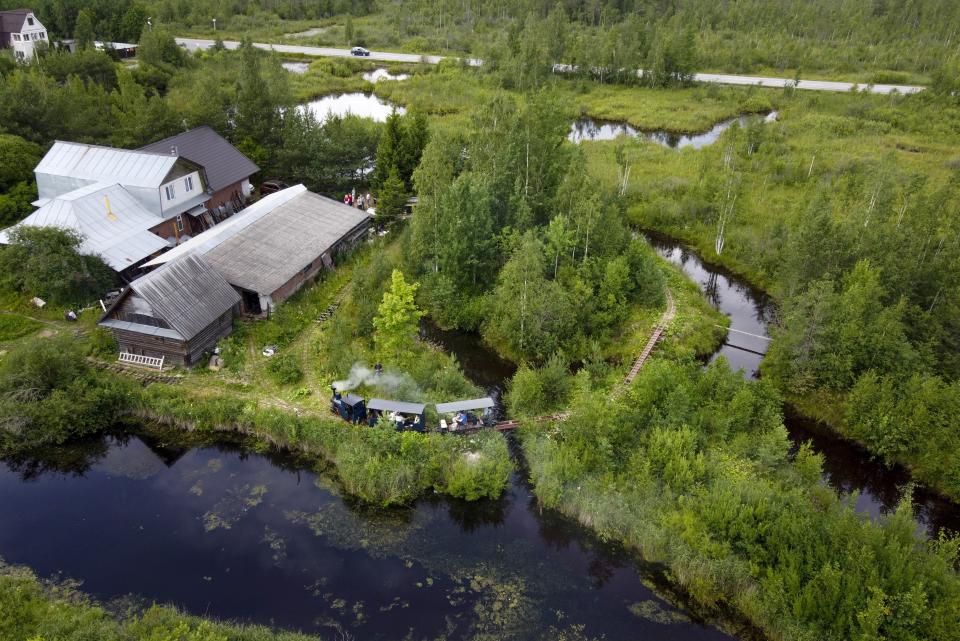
point(187, 293)
point(266, 254)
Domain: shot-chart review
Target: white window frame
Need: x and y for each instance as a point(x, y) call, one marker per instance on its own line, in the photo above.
point(179, 222)
point(16, 37)
point(188, 183)
point(170, 192)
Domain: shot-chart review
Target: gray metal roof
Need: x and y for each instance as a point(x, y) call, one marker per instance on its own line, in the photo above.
point(261, 250)
point(79, 162)
point(222, 162)
point(142, 329)
point(395, 406)
point(473, 404)
point(112, 223)
point(188, 294)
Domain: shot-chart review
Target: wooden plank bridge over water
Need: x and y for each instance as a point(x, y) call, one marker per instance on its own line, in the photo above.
point(655, 336)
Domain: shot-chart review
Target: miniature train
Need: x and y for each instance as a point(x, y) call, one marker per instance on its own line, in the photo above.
point(455, 416)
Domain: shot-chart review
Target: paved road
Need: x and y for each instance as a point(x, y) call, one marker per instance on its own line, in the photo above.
point(193, 44)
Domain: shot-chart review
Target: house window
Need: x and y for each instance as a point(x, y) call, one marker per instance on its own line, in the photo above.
point(188, 183)
point(16, 37)
point(179, 222)
point(307, 268)
point(30, 21)
point(43, 35)
point(170, 192)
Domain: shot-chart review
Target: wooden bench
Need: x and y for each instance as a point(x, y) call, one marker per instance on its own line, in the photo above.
point(143, 361)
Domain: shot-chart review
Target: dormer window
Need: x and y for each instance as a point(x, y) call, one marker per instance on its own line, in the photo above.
point(170, 192)
point(16, 37)
point(188, 183)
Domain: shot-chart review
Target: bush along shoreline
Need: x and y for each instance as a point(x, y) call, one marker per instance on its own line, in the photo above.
point(376, 465)
point(31, 608)
point(692, 468)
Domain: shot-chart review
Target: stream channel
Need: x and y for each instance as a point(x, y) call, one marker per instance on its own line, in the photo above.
point(226, 530)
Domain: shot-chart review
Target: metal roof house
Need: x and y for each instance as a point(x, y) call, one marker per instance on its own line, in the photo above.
point(164, 184)
point(21, 31)
point(131, 205)
point(177, 312)
point(273, 247)
point(112, 223)
point(226, 170)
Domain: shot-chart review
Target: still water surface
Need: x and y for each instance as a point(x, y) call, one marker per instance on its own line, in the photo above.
point(222, 531)
point(590, 129)
point(356, 104)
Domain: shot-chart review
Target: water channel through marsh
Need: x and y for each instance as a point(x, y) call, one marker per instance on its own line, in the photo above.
point(226, 530)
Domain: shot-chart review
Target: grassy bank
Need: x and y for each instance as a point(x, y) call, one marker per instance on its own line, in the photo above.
point(377, 465)
point(45, 611)
point(692, 469)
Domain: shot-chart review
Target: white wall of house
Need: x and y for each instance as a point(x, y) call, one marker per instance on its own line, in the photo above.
point(32, 33)
point(180, 190)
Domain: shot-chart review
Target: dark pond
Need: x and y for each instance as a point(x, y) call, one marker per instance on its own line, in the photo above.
point(847, 467)
point(590, 129)
point(222, 531)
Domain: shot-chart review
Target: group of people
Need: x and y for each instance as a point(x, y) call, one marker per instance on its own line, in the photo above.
point(362, 201)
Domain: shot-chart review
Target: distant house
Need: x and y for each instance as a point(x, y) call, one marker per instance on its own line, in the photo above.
point(226, 171)
point(277, 244)
point(115, 49)
point(177, 312)
point(21, 31)
point(117, 198)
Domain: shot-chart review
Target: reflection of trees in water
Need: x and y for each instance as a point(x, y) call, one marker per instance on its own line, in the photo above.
point(602, 569)
point(473, 515)
point(74, 460)
point(711, 289)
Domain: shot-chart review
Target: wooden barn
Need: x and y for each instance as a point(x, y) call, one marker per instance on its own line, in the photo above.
point(277, 244)
point(177, 312)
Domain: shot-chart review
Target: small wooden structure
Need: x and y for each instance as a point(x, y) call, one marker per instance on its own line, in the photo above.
point(176, 313)
point(143, 361)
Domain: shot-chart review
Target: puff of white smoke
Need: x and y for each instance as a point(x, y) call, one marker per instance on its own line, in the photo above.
point(362, 375)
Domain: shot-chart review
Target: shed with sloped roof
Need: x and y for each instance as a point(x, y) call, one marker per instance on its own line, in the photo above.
point(178, 312)
point(269, 250)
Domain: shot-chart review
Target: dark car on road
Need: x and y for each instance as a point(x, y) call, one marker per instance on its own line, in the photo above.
point(359, 51)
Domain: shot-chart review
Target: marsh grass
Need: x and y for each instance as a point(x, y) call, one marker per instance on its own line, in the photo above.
point(36, 609)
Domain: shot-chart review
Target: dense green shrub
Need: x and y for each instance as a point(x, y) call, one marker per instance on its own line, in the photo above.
point(41, 611)
point(694, 469)
point(49, 394)
point(285, 369)
point(46, 262)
